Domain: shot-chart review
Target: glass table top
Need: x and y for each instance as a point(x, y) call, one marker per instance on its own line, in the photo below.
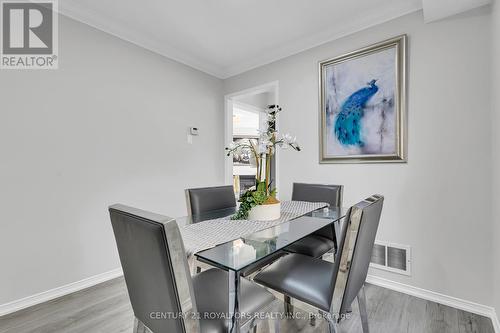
point(240, 253)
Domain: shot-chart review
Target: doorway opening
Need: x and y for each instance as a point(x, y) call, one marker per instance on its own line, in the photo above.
point(245, 117)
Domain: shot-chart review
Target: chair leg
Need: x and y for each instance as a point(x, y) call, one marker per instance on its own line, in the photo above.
point(312, 321)
point(312, 318)
point(362, 309)
point(139, 327)
point(277, 325)
point(333, 327)
point(274, 324)
point(136, 325)
point(288, 305)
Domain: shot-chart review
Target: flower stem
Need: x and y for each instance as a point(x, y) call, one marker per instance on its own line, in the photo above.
point(268, 170)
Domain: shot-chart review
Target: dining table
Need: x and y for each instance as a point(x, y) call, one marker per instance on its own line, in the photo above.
point(241, 247)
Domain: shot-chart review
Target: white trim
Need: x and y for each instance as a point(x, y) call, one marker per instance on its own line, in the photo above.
point(277, 152)
point(454, 302)
point(115, 27)
point(76, 11)
point(248, 107)
point(313, 41)
point(228, 138)
point(432, 296)
point(228, 123)
point(439, 10)
point(58, 292)
point(266, 87)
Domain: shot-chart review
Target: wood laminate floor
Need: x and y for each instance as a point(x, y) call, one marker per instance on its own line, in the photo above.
point(106, 308)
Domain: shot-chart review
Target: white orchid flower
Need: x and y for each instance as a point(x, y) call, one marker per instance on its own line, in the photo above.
point(262, 148)
point(286, 138)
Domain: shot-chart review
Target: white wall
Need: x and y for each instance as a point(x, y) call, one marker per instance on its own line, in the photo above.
point(496, 152)
point(109, 126)
point(440, 201)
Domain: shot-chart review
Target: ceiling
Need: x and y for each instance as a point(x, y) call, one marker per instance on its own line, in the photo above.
point(228, 37)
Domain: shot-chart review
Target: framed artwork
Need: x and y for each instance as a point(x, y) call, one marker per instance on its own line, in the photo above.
point(362, 105)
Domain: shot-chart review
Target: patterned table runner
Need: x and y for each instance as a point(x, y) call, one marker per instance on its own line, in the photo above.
point(207, 234)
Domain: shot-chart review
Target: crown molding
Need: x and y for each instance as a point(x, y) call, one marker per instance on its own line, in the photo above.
point(114, 27)
point(321, 38)
point(120, 30)
point(435, 10)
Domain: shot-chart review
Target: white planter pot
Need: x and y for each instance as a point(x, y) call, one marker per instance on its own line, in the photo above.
point(265, 212)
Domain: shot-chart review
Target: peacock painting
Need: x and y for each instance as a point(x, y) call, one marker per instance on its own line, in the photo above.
point(360, 109)
point(348, 121)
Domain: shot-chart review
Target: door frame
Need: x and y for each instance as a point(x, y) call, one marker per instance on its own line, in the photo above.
point(272, 87)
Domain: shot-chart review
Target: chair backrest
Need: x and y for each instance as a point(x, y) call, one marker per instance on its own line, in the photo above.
point(201, 200)
point(331, 194)
point(355, 251)
point(154, 266)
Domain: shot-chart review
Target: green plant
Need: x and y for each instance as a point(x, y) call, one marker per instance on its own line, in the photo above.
point(262, 152)
point(252, 198)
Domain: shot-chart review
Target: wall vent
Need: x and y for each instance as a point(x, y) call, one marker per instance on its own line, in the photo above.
point(391, 257)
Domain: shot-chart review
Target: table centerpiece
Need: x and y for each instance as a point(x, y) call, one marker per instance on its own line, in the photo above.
point(260, 202)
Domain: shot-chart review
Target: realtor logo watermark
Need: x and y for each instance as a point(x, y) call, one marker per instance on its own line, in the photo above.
point(29, 38)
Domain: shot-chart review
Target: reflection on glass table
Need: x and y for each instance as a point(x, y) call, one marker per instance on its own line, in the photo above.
point(259, 247)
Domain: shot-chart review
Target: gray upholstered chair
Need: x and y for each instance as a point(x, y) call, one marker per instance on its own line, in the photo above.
point(159, 284)
point(205, 199)
point(332, 287)
point(324, 240)
point(201, 201)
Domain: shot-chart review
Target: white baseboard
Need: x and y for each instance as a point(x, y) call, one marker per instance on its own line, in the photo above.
point(461, 304)
point(454, 302)
point(58, 292)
